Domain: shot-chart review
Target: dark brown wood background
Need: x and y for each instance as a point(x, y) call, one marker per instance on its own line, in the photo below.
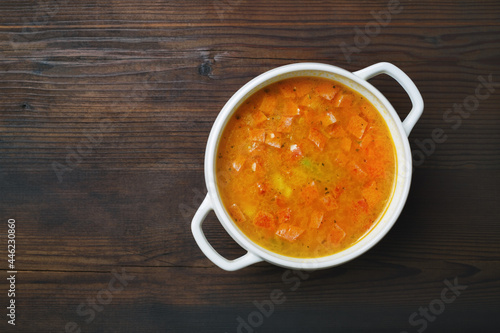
point(105, 109)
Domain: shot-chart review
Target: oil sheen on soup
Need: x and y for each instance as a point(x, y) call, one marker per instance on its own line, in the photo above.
point(305, 167)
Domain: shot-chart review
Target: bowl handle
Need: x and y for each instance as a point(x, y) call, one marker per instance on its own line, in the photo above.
point(208, 250)
point(405, 82)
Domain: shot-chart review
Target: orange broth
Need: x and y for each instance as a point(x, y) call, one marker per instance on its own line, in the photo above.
point(306, 167)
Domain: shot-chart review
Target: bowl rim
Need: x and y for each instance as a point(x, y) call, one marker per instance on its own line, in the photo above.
point(352, 251)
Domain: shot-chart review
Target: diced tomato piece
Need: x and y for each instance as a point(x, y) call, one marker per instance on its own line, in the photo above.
point(255, 148)
point(376, 168)
point(284, 215)
point(268, 105)
point(296, 152)
point(362, 205)
point(328, 119)
point(371, 194)
point(290, 108)
point(329, 202)
point(327, 90)
point(238, 162)
point(339, 189)
point(345, 144)
point(280, 200)
point(273, 139)
point(257, 134)
point(264, 220)
point(341, 100)
point(357, 126)
point(336, 131)
point(258, 117)
point(367, 140)
point(316, 219)
point(289, 232)
point(317, 138)
point(236, 213)
point(356, 170)
point(358, 210)
point(285, 125)
point(309, 193)
point(263, 187)
point(337, 235)
point(342, 159)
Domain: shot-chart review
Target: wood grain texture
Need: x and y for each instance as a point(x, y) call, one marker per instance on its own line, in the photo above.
point(105, 109)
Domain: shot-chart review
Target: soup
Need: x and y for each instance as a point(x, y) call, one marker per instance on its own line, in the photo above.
point(305, 167)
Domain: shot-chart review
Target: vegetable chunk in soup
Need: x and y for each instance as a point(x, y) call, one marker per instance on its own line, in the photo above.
point(306, 167)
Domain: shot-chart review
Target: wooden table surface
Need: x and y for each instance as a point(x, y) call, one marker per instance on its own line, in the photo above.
point(105, 109)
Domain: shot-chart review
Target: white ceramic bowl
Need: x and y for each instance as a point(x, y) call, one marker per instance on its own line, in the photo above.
point(399, 130)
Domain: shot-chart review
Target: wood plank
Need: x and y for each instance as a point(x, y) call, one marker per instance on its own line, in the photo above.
point(95, 219)
point(137, 87)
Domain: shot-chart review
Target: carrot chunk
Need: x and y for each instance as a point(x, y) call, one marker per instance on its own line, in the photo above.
point(285, 125)
point(284, 215)
point(345, 144)
point(336, 235)
point(258, 117)
point(371, 194)
point(316, 219)
point(342, 100)
point(329, 202)
point(336, 131)
point(309, 193)
point(264, 220)
point(236, 213)
point(290, 108)
point(342, 159)
point(257, 134)
point(263, 187)
point(273, 139)
point(327, 119)
point(289, 232)
point(268, 105)
point(361, 206)
point(357, 126)
point(317, 138)
point(367, 140)
point(305, 100)
point(327, 90)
